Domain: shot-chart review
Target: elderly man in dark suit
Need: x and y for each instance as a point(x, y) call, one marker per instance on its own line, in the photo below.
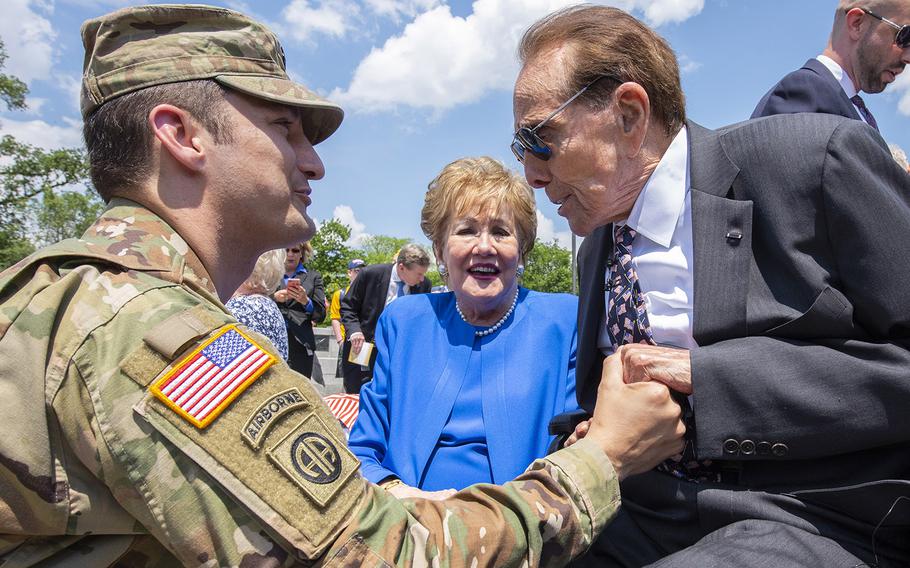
point(376, 287)
point(739, 268)
point(868, 47)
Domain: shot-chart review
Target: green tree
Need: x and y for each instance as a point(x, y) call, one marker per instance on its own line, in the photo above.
point(12, 90)
point(548, 268)
point(66, 214)
point(331, 255)
point(40, 200)
point(380, 249)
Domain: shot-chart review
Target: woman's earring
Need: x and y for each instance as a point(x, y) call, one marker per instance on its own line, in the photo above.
point(521, 270)
point(443, 271)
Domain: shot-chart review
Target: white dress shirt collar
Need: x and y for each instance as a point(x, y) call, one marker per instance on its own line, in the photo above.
point(845, 82)
point(657, 209)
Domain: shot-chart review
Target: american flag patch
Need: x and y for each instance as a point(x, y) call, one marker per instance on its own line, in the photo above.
point(201, 386)
point(344, 407)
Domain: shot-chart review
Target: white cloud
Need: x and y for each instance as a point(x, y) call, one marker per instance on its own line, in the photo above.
point(441, 60)
point(34, 104)
point(660, 12)
point(901, 87)
point(345, 214)
point(546, 232)
point(44, 135)
point(304, 19)
point(72, 86)
point(396, 9)
point(29, 38)
point(688, 65)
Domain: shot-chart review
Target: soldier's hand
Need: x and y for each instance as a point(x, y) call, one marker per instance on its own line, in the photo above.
point(403, 491)
point(638, 425)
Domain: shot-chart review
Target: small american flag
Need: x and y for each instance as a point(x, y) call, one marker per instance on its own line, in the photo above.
point(345, 407)
point(210, 378)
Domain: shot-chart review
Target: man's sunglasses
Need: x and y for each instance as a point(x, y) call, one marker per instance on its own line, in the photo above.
point(527, 140)
point(902, 37)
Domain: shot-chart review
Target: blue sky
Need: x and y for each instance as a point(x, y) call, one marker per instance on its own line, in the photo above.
point(424, 82)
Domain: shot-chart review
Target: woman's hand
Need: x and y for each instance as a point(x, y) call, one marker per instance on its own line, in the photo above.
point(402, 491)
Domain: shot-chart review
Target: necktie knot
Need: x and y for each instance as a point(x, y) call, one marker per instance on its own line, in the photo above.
point(400, 291)
point(624, 235)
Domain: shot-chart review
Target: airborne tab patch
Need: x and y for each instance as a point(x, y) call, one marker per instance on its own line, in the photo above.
point(206, 381)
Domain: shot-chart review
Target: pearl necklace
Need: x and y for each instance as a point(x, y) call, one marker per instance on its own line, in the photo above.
point(495, 326)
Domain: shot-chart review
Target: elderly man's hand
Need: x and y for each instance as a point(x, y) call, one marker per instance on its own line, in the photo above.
point(638, 425)
point(667, 365)
point(281, 296)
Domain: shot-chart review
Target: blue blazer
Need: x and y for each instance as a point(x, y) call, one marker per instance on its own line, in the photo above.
point(810, 89)
point(528, 376)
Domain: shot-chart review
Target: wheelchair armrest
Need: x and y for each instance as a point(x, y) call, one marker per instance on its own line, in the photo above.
point(562, 426)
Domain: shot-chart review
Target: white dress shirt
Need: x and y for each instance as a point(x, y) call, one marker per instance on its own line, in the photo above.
point(662, 250)
point(845, 82)
point(392, 293)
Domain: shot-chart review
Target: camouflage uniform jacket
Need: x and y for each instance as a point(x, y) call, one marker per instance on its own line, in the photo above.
point(97, 470)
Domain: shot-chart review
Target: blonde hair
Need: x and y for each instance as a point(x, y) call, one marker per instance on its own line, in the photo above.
point(306, 252)
point(267, 273)
point(469, 186)
point(899, 156)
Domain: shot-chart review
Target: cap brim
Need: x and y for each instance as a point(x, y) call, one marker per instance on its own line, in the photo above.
point(321, 118)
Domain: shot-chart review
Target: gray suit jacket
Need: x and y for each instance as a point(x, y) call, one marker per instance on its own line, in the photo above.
point(801, 309)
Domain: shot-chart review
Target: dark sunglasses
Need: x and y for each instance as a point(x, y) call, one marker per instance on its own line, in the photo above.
point(295, 251)
point(902, 37)
point(527, 140)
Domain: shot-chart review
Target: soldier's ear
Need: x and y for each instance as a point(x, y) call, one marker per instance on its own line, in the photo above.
point(179, 135)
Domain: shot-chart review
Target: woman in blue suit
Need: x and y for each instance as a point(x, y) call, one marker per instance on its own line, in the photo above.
point(466, 382)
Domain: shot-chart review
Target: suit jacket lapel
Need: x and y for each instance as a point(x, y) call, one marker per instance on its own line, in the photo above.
point(847, 108)
point(722, 240)
point(591, 312)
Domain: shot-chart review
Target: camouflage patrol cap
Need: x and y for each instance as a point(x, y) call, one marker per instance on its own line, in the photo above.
point(143, 46)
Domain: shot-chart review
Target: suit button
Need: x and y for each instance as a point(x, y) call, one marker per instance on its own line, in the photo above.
point(780, 450)
point(731, 446)
point(763, 448)
point(747, 447)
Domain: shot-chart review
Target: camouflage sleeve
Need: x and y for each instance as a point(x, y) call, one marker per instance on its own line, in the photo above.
point(545, 517)
point(269, 480)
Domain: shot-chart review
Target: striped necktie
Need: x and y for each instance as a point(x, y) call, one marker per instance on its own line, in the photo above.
point(627, 322)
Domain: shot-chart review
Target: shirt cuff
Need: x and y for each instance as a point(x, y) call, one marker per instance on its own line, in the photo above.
point(595, 483)
point(309, 306)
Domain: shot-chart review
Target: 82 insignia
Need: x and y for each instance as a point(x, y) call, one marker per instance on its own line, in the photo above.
point(313, 459)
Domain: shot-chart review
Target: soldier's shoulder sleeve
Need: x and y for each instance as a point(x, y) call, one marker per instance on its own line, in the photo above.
point(216, 446)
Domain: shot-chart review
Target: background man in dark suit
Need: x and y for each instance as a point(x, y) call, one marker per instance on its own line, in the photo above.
point(376, 287)
point(864, 53)
point(753, 283)
point(301, 301)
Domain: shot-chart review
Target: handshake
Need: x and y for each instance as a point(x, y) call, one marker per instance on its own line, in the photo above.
point(636, 421)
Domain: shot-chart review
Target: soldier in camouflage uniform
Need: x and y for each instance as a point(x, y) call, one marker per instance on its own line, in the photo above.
point(145, 427)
